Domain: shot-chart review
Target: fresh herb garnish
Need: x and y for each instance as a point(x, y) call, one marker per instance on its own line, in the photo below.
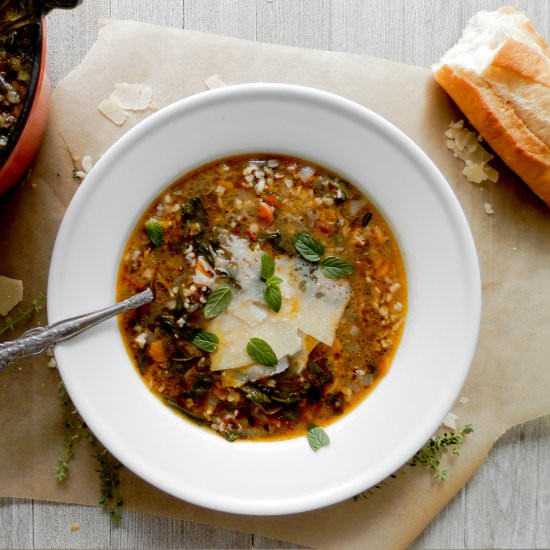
point(207, 341)
point(107, 466)
point(430, 455)
point(217, 301)
point(317, 437)
point(261, 352)
point(154, 232)
point(272, 293)
point(22, 315)
point(334, 268)
point(268, 267)
point(308, 247)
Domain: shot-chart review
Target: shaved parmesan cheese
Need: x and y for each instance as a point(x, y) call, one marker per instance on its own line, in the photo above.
point(133, 97)
point(300, 358)
point(248, 312)
point(86, 163)
point(280, 332)
point(11, 293)
point(312, 306)
point(450, 421)
point(113, 111)
point(466, 146)
point(322, 306)
point(238, 377)
point(214, 81)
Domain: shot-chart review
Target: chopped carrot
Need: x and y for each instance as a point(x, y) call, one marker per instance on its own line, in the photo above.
point(157, 351)
point(265, 212)
point(382, 269)
point(200, 267)
point(272, 200)
point(378, 234)
point(133, 283)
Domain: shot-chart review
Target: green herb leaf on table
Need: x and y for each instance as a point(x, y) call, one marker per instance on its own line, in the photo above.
point(335, 268)
point(308, 247)
point(218, 301)
point(154, 232)
point(272, 294)
point(431, 454)
point(207, 341)
point(268, 267)
point(317, 437)
point(261, 352)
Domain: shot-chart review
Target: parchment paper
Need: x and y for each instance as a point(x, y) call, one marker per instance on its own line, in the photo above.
point(509, 378)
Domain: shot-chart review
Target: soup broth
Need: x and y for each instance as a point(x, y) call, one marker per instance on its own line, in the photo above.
point(280, 296)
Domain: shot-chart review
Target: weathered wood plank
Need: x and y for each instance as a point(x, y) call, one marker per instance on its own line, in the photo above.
point(228, 17)
point(70, 526)
point(16, 526)
point(141, 531)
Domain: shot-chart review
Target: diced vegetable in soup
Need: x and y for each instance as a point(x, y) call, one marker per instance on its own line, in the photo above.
point(280, 296)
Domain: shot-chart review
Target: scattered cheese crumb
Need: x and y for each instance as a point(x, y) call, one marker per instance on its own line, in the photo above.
point(87, 163)
point(463, 400)
point(450, 421)
point(11, 293)
point(113, 111)
point(214, 81)
point(133, 97)
point(126, 97)
point(74, 527)
point(465, 145)
point(488, 207)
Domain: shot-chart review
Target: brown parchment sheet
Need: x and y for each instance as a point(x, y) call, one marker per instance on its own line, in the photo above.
point(509, 377)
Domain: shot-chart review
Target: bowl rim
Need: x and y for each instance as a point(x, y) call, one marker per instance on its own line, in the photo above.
point(444, 191)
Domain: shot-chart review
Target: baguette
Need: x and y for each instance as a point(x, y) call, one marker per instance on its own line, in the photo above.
point(498, 74)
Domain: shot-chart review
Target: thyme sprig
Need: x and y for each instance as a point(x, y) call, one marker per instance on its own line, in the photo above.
point(108, 469)
point(23, 315)
point(73, 429)
point(107, 466)
point(429, 456)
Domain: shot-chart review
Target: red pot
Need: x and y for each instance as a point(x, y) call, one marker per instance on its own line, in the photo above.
point(25, 140)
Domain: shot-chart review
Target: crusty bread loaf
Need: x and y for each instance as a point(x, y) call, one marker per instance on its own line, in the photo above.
point(499, 76)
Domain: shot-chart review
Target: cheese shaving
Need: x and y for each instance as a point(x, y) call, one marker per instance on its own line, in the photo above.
point(11, 294)
point(133, 97)
point(312, 306)
point(466, 146)
point(126, 97)
point(112, 109)
point(214, 81)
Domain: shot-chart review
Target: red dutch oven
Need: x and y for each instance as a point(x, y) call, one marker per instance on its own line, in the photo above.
point(24, 140)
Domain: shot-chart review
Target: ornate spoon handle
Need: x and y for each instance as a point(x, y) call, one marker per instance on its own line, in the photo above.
point(38, 340)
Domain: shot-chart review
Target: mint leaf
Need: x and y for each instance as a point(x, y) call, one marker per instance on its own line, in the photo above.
point(334, 268)
point(261, 352)
point(317, 437)
point(272, 294)
point(154, 232)
point(207, 341)
point(308, 247)
point(217, 301)
point(268, 267)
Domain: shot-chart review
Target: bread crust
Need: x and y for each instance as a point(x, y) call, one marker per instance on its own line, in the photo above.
point(496, 120)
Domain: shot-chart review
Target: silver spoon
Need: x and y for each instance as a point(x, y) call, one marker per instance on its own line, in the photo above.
point(38, 340)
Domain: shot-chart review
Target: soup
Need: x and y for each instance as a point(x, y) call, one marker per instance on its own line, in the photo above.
point(280, 296)
point(17, 52)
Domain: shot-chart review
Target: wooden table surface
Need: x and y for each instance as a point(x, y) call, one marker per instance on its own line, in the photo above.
point(507, 503)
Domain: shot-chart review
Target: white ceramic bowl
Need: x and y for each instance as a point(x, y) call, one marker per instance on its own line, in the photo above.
point(431, 363)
